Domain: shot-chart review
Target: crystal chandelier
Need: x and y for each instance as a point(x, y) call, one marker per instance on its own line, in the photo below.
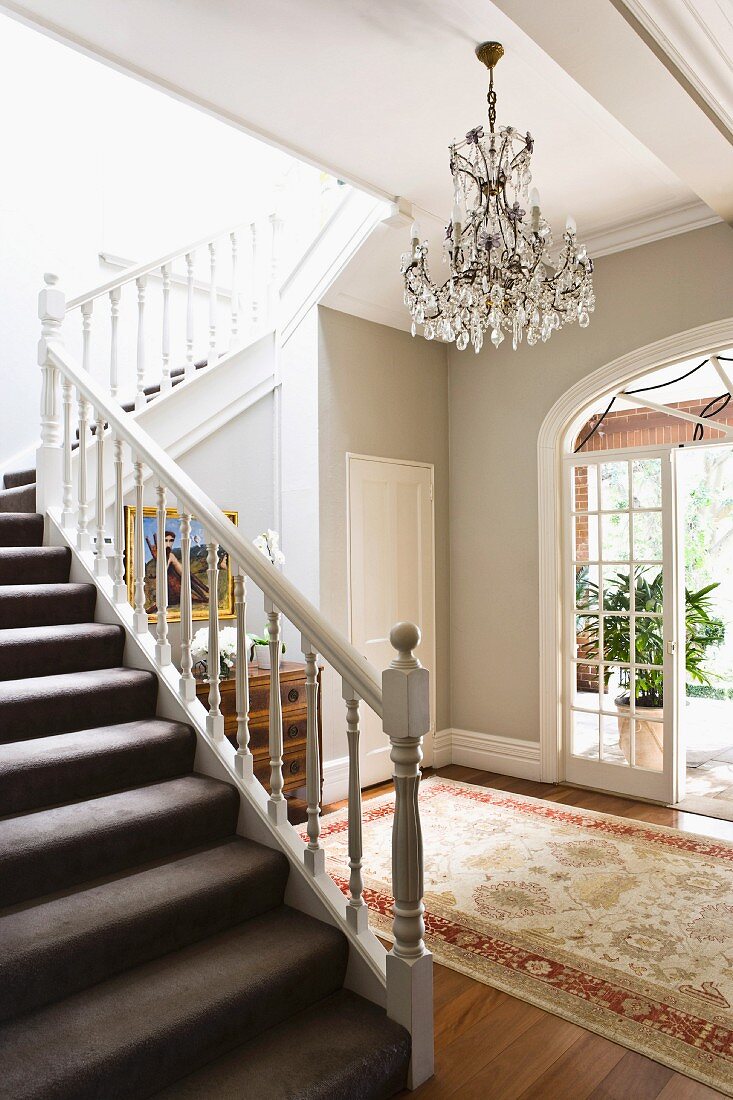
point(502, 277)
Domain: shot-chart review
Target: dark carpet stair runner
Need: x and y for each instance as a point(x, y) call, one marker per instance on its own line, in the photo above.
point(145, 948)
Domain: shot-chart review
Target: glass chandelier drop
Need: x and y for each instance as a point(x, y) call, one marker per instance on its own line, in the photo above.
point(502, 277)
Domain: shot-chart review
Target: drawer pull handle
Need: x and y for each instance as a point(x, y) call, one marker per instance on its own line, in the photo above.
point(295, 767)
point(293, 731)
point(293, 695)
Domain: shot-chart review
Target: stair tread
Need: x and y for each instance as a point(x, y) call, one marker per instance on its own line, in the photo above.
point(59, 684)
point(135, 1033)
point(343, 1046)
point(52, 588)
point(83, 764)
point(71, 632)
point(48, 850)
point(67, 943)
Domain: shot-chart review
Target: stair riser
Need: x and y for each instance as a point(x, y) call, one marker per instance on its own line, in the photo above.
point(35, 565)
point(18, 478)
point(23, 717)
point(75, 776)
point(22, 499)
point(21, 530)
point(59, 970)
point(66, 604)
point(19, 661)
point(45, 862)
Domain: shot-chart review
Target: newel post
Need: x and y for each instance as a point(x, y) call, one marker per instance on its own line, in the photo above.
point(49, 456)
point(406, 719)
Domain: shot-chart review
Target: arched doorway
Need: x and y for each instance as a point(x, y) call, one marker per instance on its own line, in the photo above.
point(563, 513)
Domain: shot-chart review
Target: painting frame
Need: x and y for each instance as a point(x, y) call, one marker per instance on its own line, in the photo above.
point(200, 609)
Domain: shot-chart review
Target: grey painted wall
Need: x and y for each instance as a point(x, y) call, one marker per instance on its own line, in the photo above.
point(235, 468)
point(380, 393)
point(498, 401)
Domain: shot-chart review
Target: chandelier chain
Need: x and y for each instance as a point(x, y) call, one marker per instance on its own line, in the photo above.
point(491, 97)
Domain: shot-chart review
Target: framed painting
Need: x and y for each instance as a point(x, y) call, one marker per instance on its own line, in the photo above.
point(199, 572)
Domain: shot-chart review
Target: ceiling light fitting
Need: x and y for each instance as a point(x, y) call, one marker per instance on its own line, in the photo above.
point(502, 277)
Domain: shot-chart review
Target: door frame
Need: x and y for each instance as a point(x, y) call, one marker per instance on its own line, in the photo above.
point(632, 781)
point(351, 455)
point(562, 421)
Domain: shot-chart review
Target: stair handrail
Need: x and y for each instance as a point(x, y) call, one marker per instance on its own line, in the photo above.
point(339, 652)
point(130, 274)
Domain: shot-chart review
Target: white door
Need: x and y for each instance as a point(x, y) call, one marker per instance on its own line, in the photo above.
point(621, 664)
point(391, 578)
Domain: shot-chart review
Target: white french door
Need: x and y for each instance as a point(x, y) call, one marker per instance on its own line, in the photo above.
point(621, 631)
point(391, 578)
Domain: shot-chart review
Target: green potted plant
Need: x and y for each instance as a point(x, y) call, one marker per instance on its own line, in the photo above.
point(259, 648)
point(703, 631)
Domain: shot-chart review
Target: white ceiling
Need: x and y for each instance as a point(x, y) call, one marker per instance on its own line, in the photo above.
point(374, 90)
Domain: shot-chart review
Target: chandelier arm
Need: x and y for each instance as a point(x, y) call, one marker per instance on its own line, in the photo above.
point(507, 208)
point(488, 183)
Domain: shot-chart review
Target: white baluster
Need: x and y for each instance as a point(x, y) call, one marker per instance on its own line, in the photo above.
point(140, 399)
point(165, 382)
point(406, 719)
point(356, 910)
point(212, 304)
point(67, 514)
point(214, 719)
point(276, 224)
point(100, 559)
point(82, 511)
point(119, 588)
point(114, 304)
point(162, 645)
point(49, 475)
point(187, 683)
point(254, 305)
point(235, 290)
point(243, 759)
point(276, 805)
point(314, 855)
point(140, 616)
point(86, 335)
point(190, 369)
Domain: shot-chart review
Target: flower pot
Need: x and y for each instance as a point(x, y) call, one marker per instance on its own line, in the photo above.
point(262, 653)
point(649, 730)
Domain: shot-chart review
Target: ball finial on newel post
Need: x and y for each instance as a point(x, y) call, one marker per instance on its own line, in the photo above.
point(405, 637)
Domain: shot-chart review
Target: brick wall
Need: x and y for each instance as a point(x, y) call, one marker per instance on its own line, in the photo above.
point(637, 428)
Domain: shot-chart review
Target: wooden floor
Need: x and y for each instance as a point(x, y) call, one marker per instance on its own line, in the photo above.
point(491, 1045)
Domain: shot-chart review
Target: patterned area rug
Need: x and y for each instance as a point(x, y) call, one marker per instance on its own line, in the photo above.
point(622, 927)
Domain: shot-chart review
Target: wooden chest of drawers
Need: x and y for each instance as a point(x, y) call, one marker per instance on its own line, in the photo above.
point(293, 700)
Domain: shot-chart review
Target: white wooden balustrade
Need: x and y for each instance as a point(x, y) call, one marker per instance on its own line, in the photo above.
point(400, 696)
point(153, 285)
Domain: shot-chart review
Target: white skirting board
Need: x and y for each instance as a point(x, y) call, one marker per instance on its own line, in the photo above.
point(505, 755)
point(490, 753)
point(335, 779)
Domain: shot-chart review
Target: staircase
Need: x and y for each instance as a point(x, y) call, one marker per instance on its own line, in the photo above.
point(145, 946)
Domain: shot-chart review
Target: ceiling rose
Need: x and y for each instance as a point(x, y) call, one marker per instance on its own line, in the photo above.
point(497, 245)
